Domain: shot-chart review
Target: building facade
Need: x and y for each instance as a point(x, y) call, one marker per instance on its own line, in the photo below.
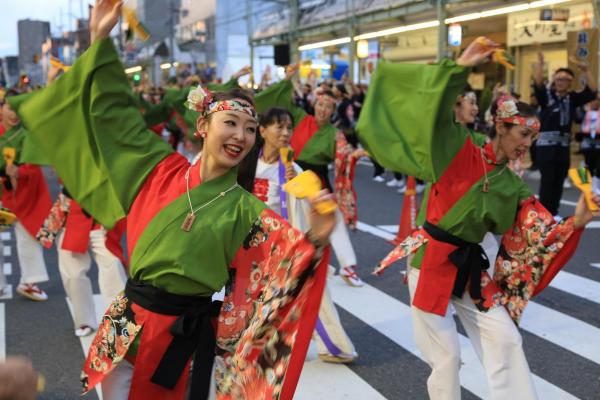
point(325, 33)
point(32, 34)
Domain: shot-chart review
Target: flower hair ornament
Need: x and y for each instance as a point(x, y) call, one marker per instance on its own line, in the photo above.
point(204, 102)
point(508, 113)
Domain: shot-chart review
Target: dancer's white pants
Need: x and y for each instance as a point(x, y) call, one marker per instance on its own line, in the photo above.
point(116, 385)
point(341, 244)
point(31, 256)
point(330, 336)
point(74, 268)
point(495, 338)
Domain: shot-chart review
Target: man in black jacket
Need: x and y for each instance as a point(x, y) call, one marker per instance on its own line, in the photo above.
point(558, 103)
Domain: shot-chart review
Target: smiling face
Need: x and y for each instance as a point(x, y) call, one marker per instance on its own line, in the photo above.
point(9, 117)
point(278, 134)
point(466, 110)
point(324, 108)
point(562, 81)
point(229, 137)
point(514, 140)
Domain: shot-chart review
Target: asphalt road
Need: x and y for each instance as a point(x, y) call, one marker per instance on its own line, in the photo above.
point(561, 331)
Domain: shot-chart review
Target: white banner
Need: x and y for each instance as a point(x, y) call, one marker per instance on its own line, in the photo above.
point(525, 28)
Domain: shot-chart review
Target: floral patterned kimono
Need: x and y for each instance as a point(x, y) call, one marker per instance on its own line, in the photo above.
point(89, 124)
point(316, 146)
point(471, 194)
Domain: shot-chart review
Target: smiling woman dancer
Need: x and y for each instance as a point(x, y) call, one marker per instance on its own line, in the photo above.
point(263, 172)
point(473, 192)
point(191, 230)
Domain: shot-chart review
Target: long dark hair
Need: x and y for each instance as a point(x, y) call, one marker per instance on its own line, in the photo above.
point(525, 110)
point(247, 168)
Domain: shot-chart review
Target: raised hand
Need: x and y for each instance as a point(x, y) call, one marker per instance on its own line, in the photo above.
point(291, 71)
point(321, 225)
point(105, 15)
point(477, 52)
point(245, 70)
point(583, 215)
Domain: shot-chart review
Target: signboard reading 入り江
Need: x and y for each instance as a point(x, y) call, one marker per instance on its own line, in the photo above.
point(526, 28)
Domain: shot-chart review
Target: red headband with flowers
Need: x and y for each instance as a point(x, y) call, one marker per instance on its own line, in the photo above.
point(509, 113)
point(203, 101)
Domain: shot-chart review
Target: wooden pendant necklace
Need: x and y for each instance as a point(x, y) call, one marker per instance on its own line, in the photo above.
point(191, 216)
point(486, 178)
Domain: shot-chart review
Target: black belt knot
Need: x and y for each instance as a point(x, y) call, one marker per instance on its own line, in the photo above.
point(192, 333)
point(469, 258)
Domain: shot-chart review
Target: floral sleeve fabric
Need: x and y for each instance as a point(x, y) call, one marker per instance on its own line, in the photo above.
point(268, 313)
point(345, 166)
point(116, 333)
point(408, 246)
point(54, 222)
point(533, 251)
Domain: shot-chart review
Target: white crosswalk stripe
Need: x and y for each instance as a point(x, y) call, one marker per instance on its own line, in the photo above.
point(7, 268)
point(392, 318)
point(7, 294)
point(342, 382)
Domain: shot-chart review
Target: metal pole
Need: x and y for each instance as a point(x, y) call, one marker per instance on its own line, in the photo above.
point(442, 32)
point(293, 35)
point(172, 37)
point(352, 33)
point(250, 42)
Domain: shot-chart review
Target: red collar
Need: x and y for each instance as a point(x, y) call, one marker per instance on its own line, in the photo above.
point(490, 156)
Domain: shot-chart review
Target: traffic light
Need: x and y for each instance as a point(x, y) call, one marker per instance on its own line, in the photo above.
point(137, 78)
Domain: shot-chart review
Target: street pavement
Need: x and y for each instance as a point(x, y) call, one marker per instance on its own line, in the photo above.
point(560, 328)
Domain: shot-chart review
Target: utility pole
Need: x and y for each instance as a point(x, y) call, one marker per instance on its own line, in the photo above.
point(250, 30)
point(351, 33)
point(442, 32)
point(293, 35)
point(172, 11)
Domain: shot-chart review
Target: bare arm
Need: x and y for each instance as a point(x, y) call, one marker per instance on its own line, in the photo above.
point(538, 72)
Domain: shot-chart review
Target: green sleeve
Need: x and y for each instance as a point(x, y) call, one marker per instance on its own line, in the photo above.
point(279, 95)
point(479, 139)
point(32, 152)
point(321, 148)
point(93, 133)
point(407, 122)
point(14, 138)
point(157, 113)
point(221, 87)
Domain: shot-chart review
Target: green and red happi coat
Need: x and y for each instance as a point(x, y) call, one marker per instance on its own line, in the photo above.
point(316, 145)
point(89, 124)
point(407, 124)
point(30, 200)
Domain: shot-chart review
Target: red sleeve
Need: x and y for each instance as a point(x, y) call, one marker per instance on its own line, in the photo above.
point(533, 251)
point(31, 200)
point(269, 315)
